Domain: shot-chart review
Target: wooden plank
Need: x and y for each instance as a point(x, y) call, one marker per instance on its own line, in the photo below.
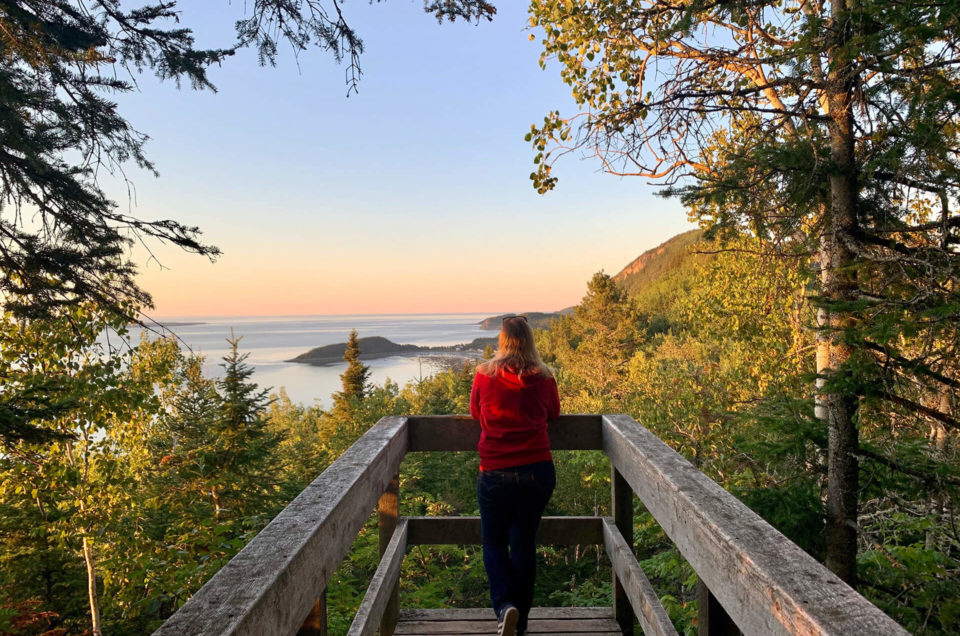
point(469, 613)
point(606, 632)
point(576, 621)
point(466, 531)
point(388, 514)
point(451, 630)
point(272, 584)
point(621, 499)
point(379, 592)
point(643, 598)
point(461, 433)
point(765, 582)
point(489, 626)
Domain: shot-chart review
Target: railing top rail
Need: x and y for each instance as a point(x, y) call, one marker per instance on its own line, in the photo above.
point(272, 584)
point(461, 433)
point(765, 582)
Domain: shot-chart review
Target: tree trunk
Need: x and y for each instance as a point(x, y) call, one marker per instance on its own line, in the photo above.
point(938, 437)
point(840, 286)
point(85, 541)
point(92, 586)
point(217, 508)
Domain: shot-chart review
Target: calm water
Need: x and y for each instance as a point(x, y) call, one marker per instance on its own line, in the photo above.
point(271, 340)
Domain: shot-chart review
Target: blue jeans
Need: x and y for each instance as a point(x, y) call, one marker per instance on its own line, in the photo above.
point(511, 502)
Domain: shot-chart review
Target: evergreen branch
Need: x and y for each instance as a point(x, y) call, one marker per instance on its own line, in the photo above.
point(913, 365)
point(898, 247)
point(925, 477)
point(882, 175)
point(925, 227)
point(943, 418)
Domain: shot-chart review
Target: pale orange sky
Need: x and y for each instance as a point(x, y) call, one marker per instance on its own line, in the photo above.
point(411, 196)
point(287, 276)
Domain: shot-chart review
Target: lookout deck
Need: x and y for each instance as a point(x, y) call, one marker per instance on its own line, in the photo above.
point(753, 580)
point(557, 621)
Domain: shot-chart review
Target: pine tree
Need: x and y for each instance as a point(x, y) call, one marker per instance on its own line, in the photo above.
point(594, 345)
point(246, 449)
point(356, 379)
point(217, 438)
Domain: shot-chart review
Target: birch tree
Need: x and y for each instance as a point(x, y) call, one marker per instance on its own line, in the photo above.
point(74, 488)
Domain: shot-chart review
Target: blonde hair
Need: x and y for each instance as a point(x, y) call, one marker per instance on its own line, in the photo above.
point(516, 351)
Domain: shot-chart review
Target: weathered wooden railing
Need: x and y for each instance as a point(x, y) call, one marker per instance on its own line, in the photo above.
point(753, 579)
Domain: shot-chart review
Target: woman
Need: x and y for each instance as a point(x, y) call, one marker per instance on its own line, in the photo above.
point(513, 396)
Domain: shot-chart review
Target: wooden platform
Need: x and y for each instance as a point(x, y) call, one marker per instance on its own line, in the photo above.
point(558, 621)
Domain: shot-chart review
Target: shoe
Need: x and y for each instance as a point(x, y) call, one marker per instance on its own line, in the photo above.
point(507, 623)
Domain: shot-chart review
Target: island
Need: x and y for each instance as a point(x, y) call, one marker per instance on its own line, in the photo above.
point(379, 347)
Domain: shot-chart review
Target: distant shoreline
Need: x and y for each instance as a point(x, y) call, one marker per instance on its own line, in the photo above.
point(433, 354)
point(185, 323)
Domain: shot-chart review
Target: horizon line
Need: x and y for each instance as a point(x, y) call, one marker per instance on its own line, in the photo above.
point(160, 319)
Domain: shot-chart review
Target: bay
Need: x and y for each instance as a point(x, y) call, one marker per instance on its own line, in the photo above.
point(271, 341)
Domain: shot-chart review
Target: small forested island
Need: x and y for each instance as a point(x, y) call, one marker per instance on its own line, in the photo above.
point(379, 347)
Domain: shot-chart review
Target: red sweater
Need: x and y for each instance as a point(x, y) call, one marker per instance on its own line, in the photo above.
point(513, 411)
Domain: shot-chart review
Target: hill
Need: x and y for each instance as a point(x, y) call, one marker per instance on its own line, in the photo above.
point(657, 262)
point(537, 319)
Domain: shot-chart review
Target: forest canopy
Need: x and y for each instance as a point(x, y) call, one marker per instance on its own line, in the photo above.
point(804, 352)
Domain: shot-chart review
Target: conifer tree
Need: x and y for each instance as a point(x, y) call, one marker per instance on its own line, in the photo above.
point(356, 379)
point(217, 439)
point(594, 344)
point(246, 448)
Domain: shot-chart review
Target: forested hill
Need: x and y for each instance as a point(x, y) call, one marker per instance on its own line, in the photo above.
point(656, 263)
point(537, 319)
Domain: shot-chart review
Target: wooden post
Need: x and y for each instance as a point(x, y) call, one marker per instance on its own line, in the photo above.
point(621, 499)
point(316, 623)
point(712, 619)
point(388, 509)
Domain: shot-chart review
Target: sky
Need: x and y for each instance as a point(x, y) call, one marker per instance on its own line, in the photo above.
point(411, 196)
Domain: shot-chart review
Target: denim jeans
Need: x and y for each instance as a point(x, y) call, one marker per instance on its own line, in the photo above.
point(511, 502)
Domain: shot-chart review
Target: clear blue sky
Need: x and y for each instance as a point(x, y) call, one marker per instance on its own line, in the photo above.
point(411, 196)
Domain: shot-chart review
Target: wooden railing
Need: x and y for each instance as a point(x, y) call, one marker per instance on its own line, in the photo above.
point(753, 579)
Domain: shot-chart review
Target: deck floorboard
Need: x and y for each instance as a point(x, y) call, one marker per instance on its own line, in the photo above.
point(558, 621)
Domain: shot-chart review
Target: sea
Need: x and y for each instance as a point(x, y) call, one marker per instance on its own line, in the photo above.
point(271, 341)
